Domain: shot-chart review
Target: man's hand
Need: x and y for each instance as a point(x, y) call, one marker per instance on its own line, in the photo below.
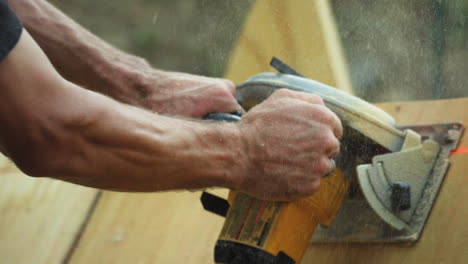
point(187, 95)
point(289, 140)
point(84, 59)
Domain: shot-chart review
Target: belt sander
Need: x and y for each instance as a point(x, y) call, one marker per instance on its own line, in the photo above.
point(383, 188)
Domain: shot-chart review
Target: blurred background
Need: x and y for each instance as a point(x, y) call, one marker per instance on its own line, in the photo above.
point(396, 50)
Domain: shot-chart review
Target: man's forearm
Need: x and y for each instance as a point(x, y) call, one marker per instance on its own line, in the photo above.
point(80, 56)
point(51, 127)
point(88, 61)
point(119, 147)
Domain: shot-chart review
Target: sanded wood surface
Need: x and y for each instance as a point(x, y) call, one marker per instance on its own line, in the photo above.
point(39, 218)
point(445, 238)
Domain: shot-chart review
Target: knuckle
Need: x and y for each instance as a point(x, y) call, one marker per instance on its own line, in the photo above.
point(224, 92)
point(312, 187)
point(324, 115)
point(339, 131)
point(328, 117)
point(317, 98)
point(322, 166)
point(330, 142)
point(282, 92)
point(293, 188)
point(230, 86)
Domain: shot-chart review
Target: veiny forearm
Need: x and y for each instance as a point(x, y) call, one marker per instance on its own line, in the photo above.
point(89, 62)
point(51, 127)
point(124, 148)
point(80, 56)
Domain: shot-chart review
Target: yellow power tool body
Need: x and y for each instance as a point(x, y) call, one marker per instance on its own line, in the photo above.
point(257, 231)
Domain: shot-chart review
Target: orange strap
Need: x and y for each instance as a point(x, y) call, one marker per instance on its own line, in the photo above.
point(460, 150)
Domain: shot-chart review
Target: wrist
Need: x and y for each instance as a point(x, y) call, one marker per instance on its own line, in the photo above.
point(234, 162)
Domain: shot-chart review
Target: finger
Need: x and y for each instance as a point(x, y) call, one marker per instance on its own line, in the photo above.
point(331, 146)
point(306, 97)
point(337, 127)
point(332, 168)
point(229, 85)
point(311, 187)
point(230, 107)
point(334, 153)
point(303, 189)
point(334, 122)
point(236, 108)
point(224, 100)
point(314, 99)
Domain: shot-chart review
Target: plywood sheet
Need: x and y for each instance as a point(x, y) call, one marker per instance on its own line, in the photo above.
point(39, 218)
point(445, 239)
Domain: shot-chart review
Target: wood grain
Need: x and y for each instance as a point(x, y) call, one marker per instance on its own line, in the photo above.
point(445, 238)
point(167, 227)
point(39, 218)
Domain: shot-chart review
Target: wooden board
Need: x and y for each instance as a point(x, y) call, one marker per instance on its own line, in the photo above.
point(39, 218)
point(302, 33)
point(167, 227)
point(445, 238)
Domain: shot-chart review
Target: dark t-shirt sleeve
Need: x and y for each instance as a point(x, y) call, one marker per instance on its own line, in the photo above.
point(10, 29)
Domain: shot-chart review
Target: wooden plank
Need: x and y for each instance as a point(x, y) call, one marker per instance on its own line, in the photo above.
point(169, 227)
point(302, 33)
point(39, 218)
point(445, 238)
